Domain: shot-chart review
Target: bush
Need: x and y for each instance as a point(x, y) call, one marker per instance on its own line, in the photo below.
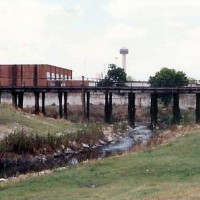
point(20, 142)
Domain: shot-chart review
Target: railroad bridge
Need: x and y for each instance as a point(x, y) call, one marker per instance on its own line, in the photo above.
point(17, 93)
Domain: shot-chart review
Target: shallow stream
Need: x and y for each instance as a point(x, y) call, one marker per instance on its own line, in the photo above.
point(12, 168)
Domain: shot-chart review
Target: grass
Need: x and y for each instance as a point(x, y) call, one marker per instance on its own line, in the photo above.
point(170, 171)
point(34, 133)
point(11, 119)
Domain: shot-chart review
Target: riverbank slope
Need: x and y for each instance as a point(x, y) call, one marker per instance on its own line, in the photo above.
point(169, 171)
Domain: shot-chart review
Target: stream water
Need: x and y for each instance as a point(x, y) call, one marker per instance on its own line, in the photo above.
point(12, 168)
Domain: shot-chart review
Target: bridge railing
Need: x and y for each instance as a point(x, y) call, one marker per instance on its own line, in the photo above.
point(75, 82)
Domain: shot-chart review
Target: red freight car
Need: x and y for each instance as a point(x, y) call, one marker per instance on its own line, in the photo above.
point(34, 75)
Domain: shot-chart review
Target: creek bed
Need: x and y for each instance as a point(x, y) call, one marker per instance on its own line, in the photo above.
point(13, 168)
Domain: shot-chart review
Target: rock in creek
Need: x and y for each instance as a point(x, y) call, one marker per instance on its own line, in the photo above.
point(3, 180)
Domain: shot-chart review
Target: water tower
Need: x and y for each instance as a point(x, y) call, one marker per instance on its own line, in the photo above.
point(124, 51)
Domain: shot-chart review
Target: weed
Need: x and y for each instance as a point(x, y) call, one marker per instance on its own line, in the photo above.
point(21, 142)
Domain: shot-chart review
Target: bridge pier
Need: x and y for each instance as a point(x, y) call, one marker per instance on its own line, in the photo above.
point(176, 109)
point(154, 109)
point(131, 109)
point(43, 103)
point(14, 99)
point(37, 105)
point(20, 99)
point(65, 105)
point(83, 101)
point(60, 104)
point(108, 107)
point(197, 108)
point(83, 105)
point(88, 106)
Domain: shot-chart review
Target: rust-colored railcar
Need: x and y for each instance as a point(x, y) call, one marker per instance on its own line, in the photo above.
point(34, 75)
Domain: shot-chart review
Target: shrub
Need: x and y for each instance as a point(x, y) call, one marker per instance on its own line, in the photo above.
point(20, 142)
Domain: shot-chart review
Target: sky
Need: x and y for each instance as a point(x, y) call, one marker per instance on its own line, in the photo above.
point(86, 35)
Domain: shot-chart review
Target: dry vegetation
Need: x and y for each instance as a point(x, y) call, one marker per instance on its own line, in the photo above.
point(167, 168)
point(169, 171)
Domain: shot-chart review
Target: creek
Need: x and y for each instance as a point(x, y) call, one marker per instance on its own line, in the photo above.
point(13, 168)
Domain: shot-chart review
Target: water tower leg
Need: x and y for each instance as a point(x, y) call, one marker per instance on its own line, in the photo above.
point(65, 104)
point(176, 109)
point(154, 109)
point(131, 109)
point(198, 108)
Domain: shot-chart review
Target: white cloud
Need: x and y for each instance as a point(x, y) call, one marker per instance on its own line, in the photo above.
point(125, 9)
point(189, 52)
point(85, 38)
point(124, 32)
point(34, 32)
point(171, 36)
point(143, 9)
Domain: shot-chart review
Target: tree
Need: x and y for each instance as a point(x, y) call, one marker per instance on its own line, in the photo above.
point(168, 78)
point(115, 75)
point(192, 81)
point(129, 78)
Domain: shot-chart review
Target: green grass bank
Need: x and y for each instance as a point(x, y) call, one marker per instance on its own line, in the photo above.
point(12, 119)
point(169, 171)
point(23, 133)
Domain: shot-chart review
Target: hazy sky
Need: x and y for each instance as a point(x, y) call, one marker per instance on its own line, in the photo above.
point(86, 35)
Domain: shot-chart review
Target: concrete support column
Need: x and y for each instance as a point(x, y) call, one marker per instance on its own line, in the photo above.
point(197, 108)
point(131, 109)
point(154, 109)
point(83, 100)
point(37, 105)
point(108, 107)
point(176, 109)
point(83, 106)
point(65, 104)
point(43, 103)
point(14, 99)
point(88, 106)
point(60, 104)
point(20, 100)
